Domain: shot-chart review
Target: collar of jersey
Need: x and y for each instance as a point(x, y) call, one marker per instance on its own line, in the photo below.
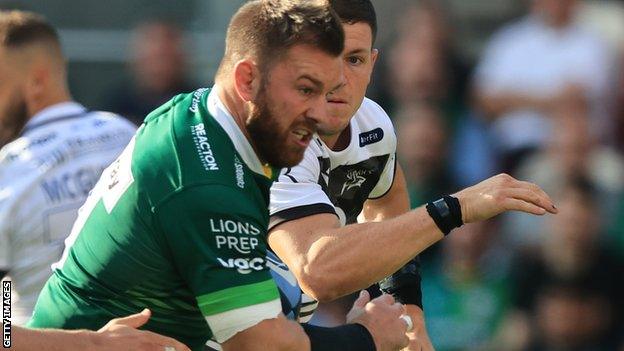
point(221, 114)
point(57, 110)
point(346, 155)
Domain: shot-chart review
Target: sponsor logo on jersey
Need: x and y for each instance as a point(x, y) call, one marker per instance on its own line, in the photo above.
point(239, 242)
point(203, 147)
point(371, 137)
point(243, 265)
point(240, 174)
point(196, 99)
point(355, 179)
point(243, 244)
point(233, 227)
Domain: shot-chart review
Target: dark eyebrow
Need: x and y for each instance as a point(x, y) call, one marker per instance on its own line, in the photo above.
point(358, 51)
point(317, 83)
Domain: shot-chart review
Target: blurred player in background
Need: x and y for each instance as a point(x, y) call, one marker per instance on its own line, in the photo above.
point(178, 222)
point(158, 67)
point(53, 151)
point(531, 68)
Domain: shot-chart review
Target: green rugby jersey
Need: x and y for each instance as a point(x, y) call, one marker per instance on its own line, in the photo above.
point(178, 224)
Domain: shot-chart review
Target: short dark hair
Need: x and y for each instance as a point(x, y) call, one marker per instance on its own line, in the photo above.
point(355, 11)
point(21, 28)
point(267, 28)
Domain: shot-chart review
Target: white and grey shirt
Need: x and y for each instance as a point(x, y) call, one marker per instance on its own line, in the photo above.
point(45, 176)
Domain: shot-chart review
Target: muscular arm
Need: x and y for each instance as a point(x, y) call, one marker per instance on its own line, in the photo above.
point(394, 203)
point(119, 334)
point(494, 105)
point(49, 340)
point(330, 261)
point(271, 334)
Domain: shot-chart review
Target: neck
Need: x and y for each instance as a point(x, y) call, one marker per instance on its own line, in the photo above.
point(239, 110)
point(56, 96)
point(339, 141)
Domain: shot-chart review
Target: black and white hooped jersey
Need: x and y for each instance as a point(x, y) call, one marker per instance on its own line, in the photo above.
point(339, 182)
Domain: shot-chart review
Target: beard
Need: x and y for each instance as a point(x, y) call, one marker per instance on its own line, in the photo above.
point(12, 120)
point(270, 141)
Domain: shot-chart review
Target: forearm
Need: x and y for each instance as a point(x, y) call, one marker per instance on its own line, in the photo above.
point(348, 259)
point(278, 334)
point(495, 105)
point(51, 340)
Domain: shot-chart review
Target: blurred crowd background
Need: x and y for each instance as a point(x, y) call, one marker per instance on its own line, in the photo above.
point(533, 88)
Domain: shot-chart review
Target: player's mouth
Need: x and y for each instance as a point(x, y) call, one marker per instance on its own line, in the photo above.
point(335, 100)
point(302, 136)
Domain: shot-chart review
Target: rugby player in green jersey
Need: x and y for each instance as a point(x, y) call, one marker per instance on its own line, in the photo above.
point(178, 222)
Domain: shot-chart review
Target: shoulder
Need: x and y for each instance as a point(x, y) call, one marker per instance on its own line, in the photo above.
point(373, 125)
point(107, 119)
point(210, 197)
point(180, 144)
point(514, 30)
point(371, 115)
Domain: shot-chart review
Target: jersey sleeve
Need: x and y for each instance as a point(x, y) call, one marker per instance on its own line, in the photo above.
point(389, 147)
point(386, 179)
point(219, 247)
point(298, 192)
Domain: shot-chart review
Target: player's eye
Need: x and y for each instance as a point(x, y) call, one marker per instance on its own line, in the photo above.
point(306, 91)
point(355, 60)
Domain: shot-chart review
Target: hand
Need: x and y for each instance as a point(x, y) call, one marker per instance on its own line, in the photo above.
point(502, 193)
point(570, 96)
point(121, 334)
point(381, 317)
point(418, 337)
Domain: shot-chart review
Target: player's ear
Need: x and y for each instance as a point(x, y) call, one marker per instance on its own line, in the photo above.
point(246, 79)
point(37, 80)
point(374, 55)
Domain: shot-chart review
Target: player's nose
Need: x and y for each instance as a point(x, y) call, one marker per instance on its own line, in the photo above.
point(319, 110)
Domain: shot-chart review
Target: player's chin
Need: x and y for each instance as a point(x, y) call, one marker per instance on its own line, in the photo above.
point(334, 126)
point(291, 156)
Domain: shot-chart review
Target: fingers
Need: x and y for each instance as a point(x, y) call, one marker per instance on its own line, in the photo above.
point(520, 205)
point(385, 298)
point(533, 202)
point(527, 192)
point(544, 200)
point(133, 321)
point(362, 300)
